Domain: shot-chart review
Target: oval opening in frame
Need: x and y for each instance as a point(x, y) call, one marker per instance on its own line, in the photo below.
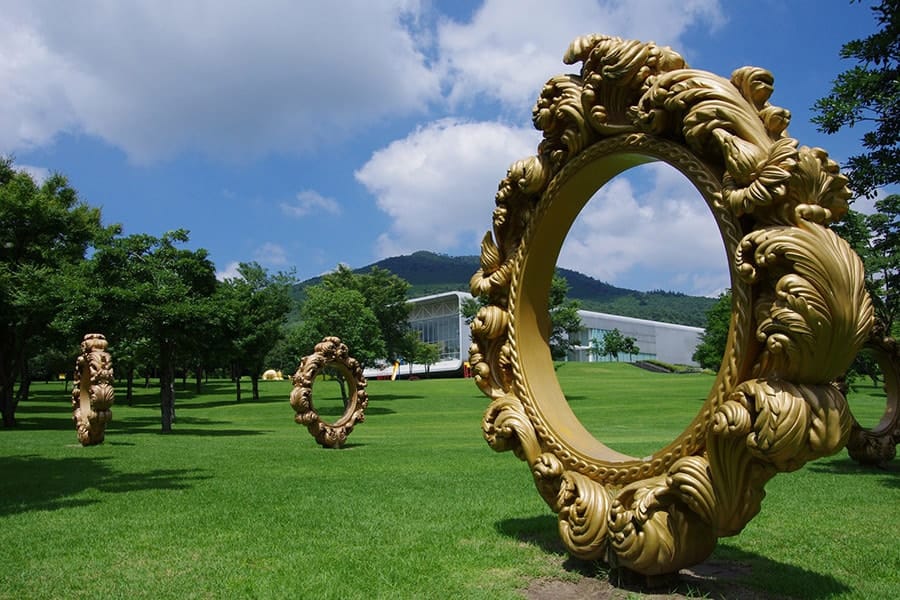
point(656, 259)
point(868, 383)
point(563, 201)
point(327, 398)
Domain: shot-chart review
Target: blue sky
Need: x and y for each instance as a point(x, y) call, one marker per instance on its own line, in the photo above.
point(304, 134)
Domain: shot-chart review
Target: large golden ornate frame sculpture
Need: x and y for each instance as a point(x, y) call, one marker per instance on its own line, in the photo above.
point(800, 309)
point(333, 354)
point(92, 390)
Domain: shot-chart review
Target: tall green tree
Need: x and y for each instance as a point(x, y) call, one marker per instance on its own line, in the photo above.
point(385, 295)
point(876, 239)
point(711, 349)
point(164, 293)
point(868, 94)
point(331, 310)
point(45, 231)
point(255, 305)
point(564, 318)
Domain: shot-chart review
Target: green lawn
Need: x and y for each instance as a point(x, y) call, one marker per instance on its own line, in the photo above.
point(241, 502)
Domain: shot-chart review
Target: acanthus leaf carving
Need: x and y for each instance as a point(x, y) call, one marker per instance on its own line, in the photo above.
point(800, 314)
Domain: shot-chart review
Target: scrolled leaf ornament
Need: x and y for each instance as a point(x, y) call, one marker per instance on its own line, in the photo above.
point(330, 353)
point(800, 311)
point(92, 390)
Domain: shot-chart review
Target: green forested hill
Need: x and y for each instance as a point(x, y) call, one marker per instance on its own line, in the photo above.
point(430, 273)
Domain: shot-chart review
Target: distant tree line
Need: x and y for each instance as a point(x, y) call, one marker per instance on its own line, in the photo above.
point(64, 274)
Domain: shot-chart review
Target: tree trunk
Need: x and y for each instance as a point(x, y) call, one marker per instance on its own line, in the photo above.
point(254, 382)
point(166, 387)
point(7, 404)
point(342, 383)
point(129, 385)
point(24, 389)
point(8, 375)
point(199, 380)
point(237, 381)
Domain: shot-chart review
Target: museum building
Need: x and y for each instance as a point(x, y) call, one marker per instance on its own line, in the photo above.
point(439, 320)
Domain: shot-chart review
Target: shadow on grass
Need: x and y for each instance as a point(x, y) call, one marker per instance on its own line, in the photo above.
point(391, 397)
point(330, 414)
point(182, 403)
point(731, 573)
point(32, 482)
point(540, 531)
point(887, 474)
point(182, 426)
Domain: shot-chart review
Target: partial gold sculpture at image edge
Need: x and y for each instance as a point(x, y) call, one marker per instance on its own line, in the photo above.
point(877, 445)
point(800, 311)
point(92, 390)
point(330, 353)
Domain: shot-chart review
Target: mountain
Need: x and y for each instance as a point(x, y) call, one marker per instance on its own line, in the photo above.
point(430, 273)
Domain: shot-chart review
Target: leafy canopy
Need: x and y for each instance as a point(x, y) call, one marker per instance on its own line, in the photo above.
point(711, 349)
point(869, 93)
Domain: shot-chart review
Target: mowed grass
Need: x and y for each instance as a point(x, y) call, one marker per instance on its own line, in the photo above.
point(239, 501)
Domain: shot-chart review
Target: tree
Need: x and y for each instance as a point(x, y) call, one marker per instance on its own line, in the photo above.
point(630, 347)
point(564, 318)
point(565, 322)
point(469, 308)
point(385, 294)
point(338, 311)
point(884, 264)
point(331, 310)
point(412, 348)
point(876, 239)
point(153, 289)
point(255, 306)
point(44, 233)
point(711, 349)
point(613, 344)
point(869, 92)
point(428, 354)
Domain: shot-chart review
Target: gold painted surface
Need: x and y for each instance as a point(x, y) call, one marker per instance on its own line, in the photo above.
point(92, 390)
point(878, 444)
point(800, 309)
point(333, 354)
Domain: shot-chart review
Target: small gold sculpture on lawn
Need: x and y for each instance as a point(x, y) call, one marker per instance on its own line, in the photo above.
point(330, 354)
point(800, 310)
point(878, 444)
point(92, 390)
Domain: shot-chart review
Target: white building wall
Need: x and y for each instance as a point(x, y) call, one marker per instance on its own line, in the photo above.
point(667, 342)
point(441, 312)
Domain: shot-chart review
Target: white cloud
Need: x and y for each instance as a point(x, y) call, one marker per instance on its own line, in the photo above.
point(229, 272)
point(438, 184)
point(310, 201)
point(230, 80)
point(270, 254)
point(39, 174)
point(511, 47)
point(651, 221)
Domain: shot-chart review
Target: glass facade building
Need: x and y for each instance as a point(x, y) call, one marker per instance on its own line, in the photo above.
point(667, 342)
point(438, 319)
